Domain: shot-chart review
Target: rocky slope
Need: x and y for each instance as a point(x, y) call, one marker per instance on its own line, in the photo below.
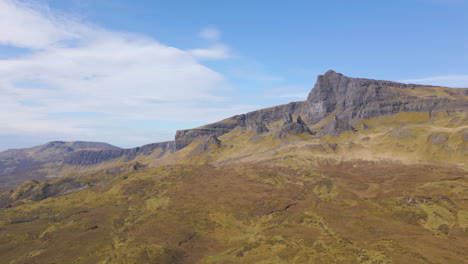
point(348, 101)
point(87, 157)
point(336, 103)
point(19, 165)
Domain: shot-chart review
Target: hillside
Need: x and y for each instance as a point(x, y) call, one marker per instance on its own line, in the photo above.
point(19, 165)
point(363, 171)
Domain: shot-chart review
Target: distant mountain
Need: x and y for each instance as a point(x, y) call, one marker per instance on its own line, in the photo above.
point(19, 165)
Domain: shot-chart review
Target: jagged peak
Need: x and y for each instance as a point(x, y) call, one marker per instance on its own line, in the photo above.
point(332, 73)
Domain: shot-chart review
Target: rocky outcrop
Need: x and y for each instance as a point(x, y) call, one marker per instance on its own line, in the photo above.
point(289, 127)
point(437, 138)
point(353, 98)
point(336, 126)
point(183, 138)
point(36, 191)
point(88, 158)
point(261, 128)
point(250, 120)
point(209, 143)
point(348, 99)
point(20, 165)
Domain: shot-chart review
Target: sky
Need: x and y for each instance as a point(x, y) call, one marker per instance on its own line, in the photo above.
point(133, 72)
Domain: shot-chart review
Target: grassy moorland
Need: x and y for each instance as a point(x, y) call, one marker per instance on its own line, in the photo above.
point(395, 192)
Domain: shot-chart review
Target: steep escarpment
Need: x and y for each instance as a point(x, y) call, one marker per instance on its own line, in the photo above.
point(344, 101)
point(354, 98)
point(87, 158)
point(19, 165)
point(251, 120)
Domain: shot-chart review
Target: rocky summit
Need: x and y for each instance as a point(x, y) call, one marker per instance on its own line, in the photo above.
point(362, 171)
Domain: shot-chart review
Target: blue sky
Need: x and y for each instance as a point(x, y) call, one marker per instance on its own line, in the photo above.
point(133, 72)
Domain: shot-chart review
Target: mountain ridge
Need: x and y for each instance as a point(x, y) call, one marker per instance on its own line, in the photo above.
point(336, 104)
point(269, 186)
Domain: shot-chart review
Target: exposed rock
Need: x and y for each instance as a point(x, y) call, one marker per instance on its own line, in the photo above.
point(349, 99)
point(87, 158)
point(210, 143)
point(36, 191)
point(437, 138)
point(335, 126)
point(297, 127)
point(333, 146)
point(353, 98)
point(20, 165)
point(260, 128)
point(300, 121)
point(288, 118)
point(184, 137)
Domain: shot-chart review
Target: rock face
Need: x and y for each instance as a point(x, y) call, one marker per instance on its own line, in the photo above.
point(260, 128)
point(347, 99)
point(250, 120)
point(87, 158)
point(36, 191)
point(19, 165)
point(353, 98)
point(290, 127)
point(210, 143)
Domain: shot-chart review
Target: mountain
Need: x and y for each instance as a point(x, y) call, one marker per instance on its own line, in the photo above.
point(363, 171)
point(19, 165)
point(346, 102)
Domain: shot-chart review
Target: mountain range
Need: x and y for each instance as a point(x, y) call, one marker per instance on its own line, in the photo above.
point(362, 171)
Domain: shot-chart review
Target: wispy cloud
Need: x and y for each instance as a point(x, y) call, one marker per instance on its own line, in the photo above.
point(459, 81)
point(215, 52)
point(210, 33)
point(72, 66)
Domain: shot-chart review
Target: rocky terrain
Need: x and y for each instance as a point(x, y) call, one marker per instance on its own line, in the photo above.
point(363, 171)
point(347, 100)
point(19, 165)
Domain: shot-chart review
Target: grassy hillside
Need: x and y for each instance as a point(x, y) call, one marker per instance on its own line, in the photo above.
point(286, 210)
point(393, 191)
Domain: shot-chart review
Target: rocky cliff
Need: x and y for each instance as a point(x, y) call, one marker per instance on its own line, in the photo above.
point(87, 158)
point(347, 100)
point(353, 98)
point(251, 120)
point(19, 165)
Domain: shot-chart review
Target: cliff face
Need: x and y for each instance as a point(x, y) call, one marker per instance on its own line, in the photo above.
point(346, 98)
point(87, 158)
point(353, 98)
point(250, 120)
point(19, 165)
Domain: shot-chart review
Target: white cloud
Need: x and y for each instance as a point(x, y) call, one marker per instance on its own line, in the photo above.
point(24, 24)
point(215, 52)
point(210, 33)
point(459, 81)
point(79, 68)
